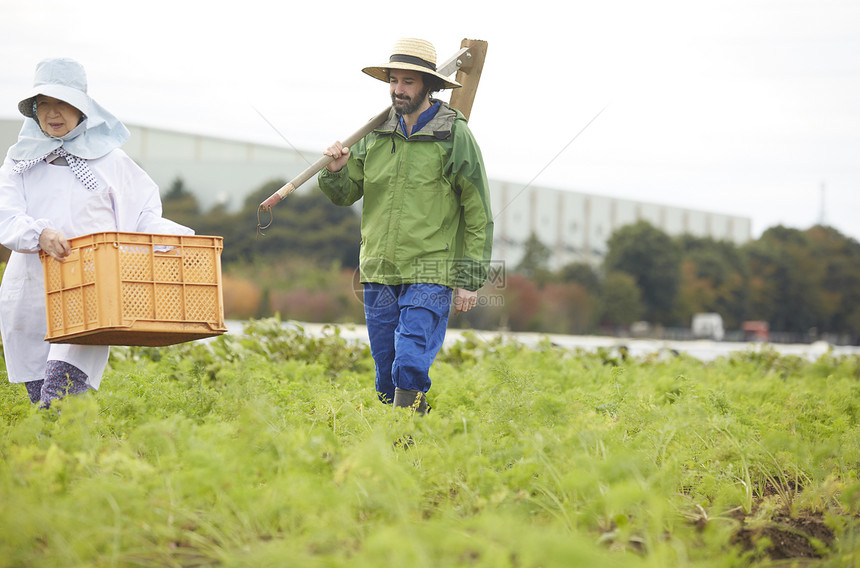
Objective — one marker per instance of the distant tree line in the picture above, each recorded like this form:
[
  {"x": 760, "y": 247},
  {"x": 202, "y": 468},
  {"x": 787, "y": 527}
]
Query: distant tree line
[
  {"x": 802, "y": 282},
  {"x": 305, "y": 225}
]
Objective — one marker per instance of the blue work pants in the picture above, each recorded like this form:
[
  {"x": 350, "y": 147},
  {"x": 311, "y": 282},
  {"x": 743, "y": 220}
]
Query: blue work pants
[{"x": 406, "y": 325}]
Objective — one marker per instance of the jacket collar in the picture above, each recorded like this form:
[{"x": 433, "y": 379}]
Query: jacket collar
[{"x": 439, "y": 127}]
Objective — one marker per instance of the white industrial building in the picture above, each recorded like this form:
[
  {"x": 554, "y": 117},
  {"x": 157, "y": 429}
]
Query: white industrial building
[{"x": 574, "y": 225}]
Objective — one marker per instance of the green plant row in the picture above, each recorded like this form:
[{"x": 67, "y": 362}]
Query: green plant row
[{"x": 270, "y": 448}]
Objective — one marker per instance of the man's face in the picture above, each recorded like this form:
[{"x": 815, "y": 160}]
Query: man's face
[
  {"x": 408, "y": 93},
  {"x": 56, "y": 117}
]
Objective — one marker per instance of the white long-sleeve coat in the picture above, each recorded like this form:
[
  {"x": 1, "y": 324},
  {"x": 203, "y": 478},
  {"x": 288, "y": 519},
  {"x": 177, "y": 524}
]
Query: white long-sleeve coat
[{"x": 49, "y": 196}]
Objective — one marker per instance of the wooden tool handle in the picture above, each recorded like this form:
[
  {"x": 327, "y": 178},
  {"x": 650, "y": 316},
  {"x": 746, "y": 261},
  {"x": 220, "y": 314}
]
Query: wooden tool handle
[{"x": 314, "y": 168}]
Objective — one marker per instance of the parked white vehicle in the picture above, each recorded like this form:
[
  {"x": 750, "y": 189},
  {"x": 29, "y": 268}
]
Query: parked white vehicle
[{"x": 708, "y": 326}]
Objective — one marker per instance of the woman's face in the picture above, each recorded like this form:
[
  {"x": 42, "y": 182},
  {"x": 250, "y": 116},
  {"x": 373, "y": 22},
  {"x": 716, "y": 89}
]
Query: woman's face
[{"x": 57, "y": 118}]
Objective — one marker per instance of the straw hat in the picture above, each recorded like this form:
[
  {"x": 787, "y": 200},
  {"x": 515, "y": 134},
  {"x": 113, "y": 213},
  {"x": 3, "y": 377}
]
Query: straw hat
[
  {"x": 413, "y": 55},
  {"x": 63, "y": 79}
]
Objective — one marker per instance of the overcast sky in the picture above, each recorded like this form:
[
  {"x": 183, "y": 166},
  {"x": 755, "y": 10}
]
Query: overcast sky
[{"x": 744, "y": 107}]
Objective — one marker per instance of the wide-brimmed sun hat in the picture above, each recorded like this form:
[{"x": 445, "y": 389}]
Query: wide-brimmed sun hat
[
  {"x": 414, "y": 55},
  {"x": 98, "y": 133},
  {"x": 60, "y": 78}
]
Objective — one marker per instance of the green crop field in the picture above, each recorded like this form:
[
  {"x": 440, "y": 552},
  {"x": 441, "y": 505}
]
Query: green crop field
[{"x": 270, "y": 449}]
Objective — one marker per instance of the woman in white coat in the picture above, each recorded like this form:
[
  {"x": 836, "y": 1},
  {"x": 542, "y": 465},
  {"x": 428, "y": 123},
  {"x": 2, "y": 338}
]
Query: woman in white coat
[{"x": 66, "y": 176}]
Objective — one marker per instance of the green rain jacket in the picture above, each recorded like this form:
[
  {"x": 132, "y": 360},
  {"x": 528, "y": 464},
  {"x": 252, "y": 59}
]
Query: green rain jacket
[{"x": 426, "y": 213}]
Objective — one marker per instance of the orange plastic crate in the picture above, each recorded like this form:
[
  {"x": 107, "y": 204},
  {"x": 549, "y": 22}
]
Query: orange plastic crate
[{"x": 119, "y": 288}]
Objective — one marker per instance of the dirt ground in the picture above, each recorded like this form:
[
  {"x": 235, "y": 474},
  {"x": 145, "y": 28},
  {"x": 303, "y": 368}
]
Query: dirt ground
[{"x": 801, "y": 537}]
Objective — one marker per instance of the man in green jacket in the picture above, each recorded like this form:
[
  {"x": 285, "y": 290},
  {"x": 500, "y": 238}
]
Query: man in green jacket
[{"x": 426, "y": 224}]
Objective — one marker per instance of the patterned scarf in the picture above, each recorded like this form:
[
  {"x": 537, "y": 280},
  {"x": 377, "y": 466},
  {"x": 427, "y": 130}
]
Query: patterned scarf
[{"x": 79, "y": 167}]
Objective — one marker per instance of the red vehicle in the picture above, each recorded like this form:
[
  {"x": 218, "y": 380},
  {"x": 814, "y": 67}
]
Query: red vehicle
[{"x": 755, "y": 330}]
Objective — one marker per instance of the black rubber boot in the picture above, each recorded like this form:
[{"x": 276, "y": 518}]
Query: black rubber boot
[{"x": 414, "y": 399}]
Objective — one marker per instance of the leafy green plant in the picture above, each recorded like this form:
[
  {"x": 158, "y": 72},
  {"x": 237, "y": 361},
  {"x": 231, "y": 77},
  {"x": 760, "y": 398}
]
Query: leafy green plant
[{"x": 269, "y": 448}]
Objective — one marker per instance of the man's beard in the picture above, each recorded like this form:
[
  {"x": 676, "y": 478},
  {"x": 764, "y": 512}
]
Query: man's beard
[{"x": 404, "y": 106}]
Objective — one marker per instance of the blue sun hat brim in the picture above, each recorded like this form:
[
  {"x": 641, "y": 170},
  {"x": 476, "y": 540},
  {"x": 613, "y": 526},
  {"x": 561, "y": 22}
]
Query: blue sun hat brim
[
  {"x": 63, "y": 79},
  {"x": 98, "y": 133}
]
